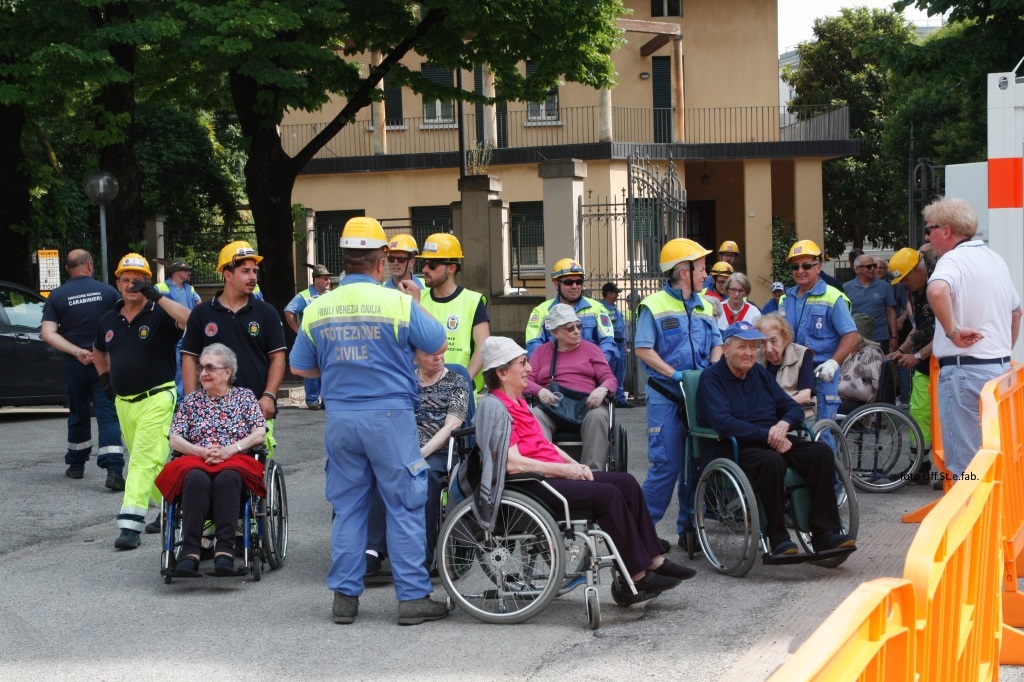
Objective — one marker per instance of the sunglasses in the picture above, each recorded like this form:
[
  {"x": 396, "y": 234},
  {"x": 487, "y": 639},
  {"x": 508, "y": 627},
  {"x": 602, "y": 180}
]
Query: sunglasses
[
  {"x": 209, "y": 368},
  {"x": 431, "y": 264},
  {"x": 401, "y": 260},
  {"x": 572, "y": 282},
  {"x": 801, "y": 266},
  {"x": 872, "y": 266},
  {"x": 928, "y": 228},
  {"x": 572, "y": 327}
]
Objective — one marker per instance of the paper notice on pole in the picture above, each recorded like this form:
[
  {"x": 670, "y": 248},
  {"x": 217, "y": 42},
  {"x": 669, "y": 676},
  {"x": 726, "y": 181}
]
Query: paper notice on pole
[{"x": 49, "y": 269}]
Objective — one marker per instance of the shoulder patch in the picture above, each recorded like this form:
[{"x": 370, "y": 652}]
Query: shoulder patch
[
  {"x": 109, "y": 335},
  {"x": 605, "y": 320},
  {"x": 534, "y": 317}
]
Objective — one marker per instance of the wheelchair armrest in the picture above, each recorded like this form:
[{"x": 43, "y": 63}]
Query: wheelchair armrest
[
  {"x": 463, "y": 432},
  {"x": 524, "y": 476}
]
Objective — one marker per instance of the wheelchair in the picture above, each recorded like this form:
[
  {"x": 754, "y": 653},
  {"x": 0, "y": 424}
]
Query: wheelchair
[
  {"x": 534, "y": 554},
  {"x": 263, "y": 526},
  {"x": 728, "y": 518},
  {"x": 885, "y": 445},
  {"x": 618, "y": 448}
]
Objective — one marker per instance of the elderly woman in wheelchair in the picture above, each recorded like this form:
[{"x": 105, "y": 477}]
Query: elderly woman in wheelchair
[
  {"x": 506, "y": 428},
  {"x": 740, "y": 399},
  {"x": 212, "y": 433},
  {"x": 578, "y": 371}
]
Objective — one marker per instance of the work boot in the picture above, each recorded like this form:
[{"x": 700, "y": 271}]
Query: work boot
[
  {"x": 153, "y": 527},
  {"x": 128, "y": 539},
  {"x": 75, "y": 472},
  {"x": 345, "y": 608},
  {"x": 115, "y": 481},
  {"x": 416, "y": 611}
]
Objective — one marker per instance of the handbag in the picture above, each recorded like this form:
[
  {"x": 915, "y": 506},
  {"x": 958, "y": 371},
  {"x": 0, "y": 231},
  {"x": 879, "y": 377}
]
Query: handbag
[{"x": 572, "y": 409}]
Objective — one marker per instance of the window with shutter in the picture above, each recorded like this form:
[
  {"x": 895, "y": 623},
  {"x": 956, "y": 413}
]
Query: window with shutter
[
  {"x": 526, "y": 232},
  {"x": 438, "y": 110},
  {"x": 546, "y": 110},
  {"x": 666, "y": 8},
  {"x": 428, "y": 220}
]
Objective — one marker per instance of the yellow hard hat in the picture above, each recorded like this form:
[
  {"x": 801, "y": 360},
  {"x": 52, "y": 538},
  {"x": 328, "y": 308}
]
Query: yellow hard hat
[
  {"x": 363, "y": 233},
  {"x": 804, "y": 247},
  {"x": 721, "y": 268},
  {"x": 403, "y": 242},
  {"x": 680, "y": 250},
  {"x": 442, "y": 246},
  {"x": 902, "y": 262},
  {"x": 729, "y": 247},
  {"x": 564, "y": 268},
  {"x": 235, "y": 252},
  {"x": 133, "y": 262}
]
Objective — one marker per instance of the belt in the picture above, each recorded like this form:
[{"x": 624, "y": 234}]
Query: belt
[
  {"x": 960, "y": 360},
  {"x": 147, "y": 394}
]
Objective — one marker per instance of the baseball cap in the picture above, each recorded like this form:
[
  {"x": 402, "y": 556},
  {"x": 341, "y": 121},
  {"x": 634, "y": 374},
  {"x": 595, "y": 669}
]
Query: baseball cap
[
  {"x": 777, "y": 286},
  {"x": 500, "y": 350},
  {"x": 610, "y": 286},
  {"x": 177, "y": 266},
  {"x": 742, "y": 330}
]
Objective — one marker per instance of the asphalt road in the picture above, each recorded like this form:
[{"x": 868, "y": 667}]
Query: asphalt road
[{"x": 72, "y": 607}]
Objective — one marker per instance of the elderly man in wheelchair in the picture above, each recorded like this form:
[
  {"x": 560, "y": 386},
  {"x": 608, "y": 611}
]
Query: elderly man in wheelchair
[{"x": 739, "y": 399}]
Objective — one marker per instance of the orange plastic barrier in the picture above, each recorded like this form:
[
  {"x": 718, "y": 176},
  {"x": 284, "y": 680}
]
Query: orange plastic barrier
[
  {"x": 955, "y": 565},
  {"x": 870, "y": 636},
  {"x": 938, "y": 460},
  {"x": 1002, "y": 428}
]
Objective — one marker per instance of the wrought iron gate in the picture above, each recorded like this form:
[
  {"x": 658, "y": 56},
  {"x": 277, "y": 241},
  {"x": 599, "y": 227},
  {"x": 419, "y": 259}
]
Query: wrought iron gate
[{"x": 619, "y": 239}]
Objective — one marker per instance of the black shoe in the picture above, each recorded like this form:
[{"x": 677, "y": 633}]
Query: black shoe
[
  {"x": 696, "y": 543},
  {"x": 624, "y": 406},
  {"x": 416, "y": 611},
  {"x": 75, "y": 472},
  {"x": 655, "y": 583},
  {"x": 153, "y": 527},
  {"x": 666, "y": 546},
  {"x": 373, "y": 564},
  {"x": 833, "y": 542},
  {"x": 115, "y": 481},
  {"x": 186, "y": 568},
  {"x": 674, "y": 570},
  {"x": 785, "y": 548},
  {"x": 345, "y": 608},
  {"x": 128, "y": 539},
  {"x": 224, "y": 565}
]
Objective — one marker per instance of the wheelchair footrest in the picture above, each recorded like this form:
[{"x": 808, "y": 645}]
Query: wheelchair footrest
[{"x": 786, "y": 559}]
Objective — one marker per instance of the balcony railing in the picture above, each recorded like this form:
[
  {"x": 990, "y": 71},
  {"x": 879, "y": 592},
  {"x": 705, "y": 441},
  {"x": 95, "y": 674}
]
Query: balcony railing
[{"x": 517, "y": 128}]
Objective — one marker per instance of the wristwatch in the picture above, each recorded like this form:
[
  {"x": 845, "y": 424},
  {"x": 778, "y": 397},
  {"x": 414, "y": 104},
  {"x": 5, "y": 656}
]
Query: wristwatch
[{"x": 917, "y": 356}]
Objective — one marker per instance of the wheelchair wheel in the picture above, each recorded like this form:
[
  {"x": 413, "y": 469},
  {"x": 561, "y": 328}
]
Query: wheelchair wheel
[
  {"x": 886, "y": 447},
  {"x": 829, "y": 432},
  {"x": 727, "y": 519},
  {"x": 508, "y": 576},
  {"x": 618, "y": 459},
  {"x": 171, "y": 537},
  {"x": 593, "y": 606},
  {"x": 849, "y": 517},
  {"x": 275, "y": 524}
]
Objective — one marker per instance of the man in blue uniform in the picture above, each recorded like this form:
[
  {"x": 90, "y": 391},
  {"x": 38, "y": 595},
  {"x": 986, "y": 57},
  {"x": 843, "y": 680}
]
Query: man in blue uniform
[
  {"x": 820, "y": 317},
  {"x": 178, "y": 287},
  {"x": 70, "y": 316},
  {"x": 293, "y": 316},
  {"x": 675, "y": 331},
  {"x": 361, "y": 339},
  {"x": 609, "y": 295},
  {"x": 402, "y": 250}
]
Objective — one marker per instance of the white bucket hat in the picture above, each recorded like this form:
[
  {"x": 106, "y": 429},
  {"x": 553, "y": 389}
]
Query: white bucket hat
[
  {"x": 558, "y": 315},
  {"x": 500, "y": 350}
]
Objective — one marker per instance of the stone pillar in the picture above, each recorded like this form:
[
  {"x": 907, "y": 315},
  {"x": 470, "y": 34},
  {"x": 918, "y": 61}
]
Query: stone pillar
[
  {"x": 757, "y": 225},
  {"x": 678, "y": 90},
  {"x": 155, "y": 247},
  {"x": 480, "y": 223},
  {"x": 563, "y": 190},
  {"x": 605, "y": 125},
  {"x": 490, "y": 111},
  {"x": 380, "y": 133}
]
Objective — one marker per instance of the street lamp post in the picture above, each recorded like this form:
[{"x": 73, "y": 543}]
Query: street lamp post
[{"x": 101, "y": 188}]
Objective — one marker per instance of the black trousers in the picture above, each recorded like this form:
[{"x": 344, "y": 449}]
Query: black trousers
[
  {"x": 202, "y": 493},
  {"x": 767, "y": 471},
  {"x": 616, "y": 503}
]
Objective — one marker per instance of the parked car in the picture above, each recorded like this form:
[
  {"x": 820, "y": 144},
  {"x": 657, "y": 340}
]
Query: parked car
[{"x": 29, "y": 368}]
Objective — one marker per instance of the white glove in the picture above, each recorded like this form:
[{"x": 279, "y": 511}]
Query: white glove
[{"x": 826, "y": 370}]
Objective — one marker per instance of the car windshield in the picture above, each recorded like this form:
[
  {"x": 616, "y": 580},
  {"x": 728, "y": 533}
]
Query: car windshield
[{"x": 23, "y": 310}]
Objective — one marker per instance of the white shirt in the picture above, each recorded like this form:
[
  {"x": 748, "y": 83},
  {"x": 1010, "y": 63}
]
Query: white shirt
[{"x": 983, "y": 298}]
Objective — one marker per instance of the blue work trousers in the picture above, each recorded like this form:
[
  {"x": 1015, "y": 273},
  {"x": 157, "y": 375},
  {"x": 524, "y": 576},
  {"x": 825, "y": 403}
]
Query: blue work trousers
[
  {"x": 619, "y": 370},
  {"x": 364, "y": 446},
  {"x": 377, "y": 527},
  {"x": 312, "y": 387},
  {"x": 84, "y": 390},
  {"x": 666, "y": 452}
]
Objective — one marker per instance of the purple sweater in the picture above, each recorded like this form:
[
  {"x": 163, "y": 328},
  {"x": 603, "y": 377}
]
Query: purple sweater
[{"x": 582, "y": 369}]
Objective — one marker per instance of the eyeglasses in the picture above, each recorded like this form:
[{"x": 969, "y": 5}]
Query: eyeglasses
[
  {"x": 400, "y": 260},
  {"x": 872, "y": 266},
  {"x": 431, "y": 264},
  {"x": 734, "y": 290},
  {"x": 209, "y": 368},
  {"x": 572, "y": 282},
  {"x": 572, "y": 326},
  {"x": 801, "y": 266},
  {"x": 928, "y": 228}
]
